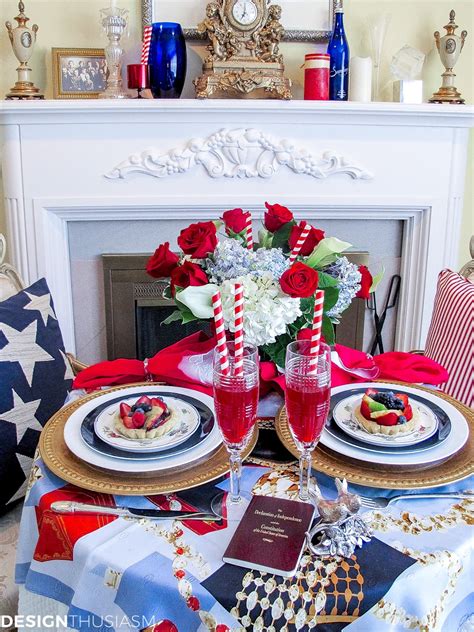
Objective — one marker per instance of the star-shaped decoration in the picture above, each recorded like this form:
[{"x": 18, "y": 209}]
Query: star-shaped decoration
[
  {"x": 68, "y": 373},
  {"x": 41, "y": 304},
  {"x": 22, "y": 416},
  {"x": 22, "y": 347}
]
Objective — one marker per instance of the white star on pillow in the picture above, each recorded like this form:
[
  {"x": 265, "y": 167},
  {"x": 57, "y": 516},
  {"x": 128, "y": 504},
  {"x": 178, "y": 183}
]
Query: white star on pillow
[
  {"x": 41, "y": 304},
  {"x": 22, "y": 347},
  {"x": 22, "y": 416}
]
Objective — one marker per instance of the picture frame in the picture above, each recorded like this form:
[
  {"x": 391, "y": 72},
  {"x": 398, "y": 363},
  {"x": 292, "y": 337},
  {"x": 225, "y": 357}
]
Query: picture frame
[
  {"x": 303, "y": 12},
  {"x": 78, "y": 73}
]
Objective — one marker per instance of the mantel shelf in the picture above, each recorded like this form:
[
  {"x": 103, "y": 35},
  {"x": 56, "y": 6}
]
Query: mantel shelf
[{"x": 311, "y": 112}]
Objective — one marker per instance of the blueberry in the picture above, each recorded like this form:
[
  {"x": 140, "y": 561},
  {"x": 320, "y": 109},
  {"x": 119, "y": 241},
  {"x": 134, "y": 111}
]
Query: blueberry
[
  {"x": 146, "y": 408},
  {"x": 402, "y": 419},
  {"x": 134, "y": 408}
]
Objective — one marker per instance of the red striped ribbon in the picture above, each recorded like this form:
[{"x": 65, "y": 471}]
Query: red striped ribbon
[
  {"x": 146, "y": 44},
  {"x": 300, "y": 243},
  {"x": 317, "y": 326},
  {"x": 220, "y": 333},
  {"x": 239, "y": 329}
]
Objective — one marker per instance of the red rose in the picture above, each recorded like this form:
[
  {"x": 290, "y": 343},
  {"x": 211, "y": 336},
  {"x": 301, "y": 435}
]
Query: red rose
[
  {"x": 313, "y": 239},
  {"x": 235, "y": 220},
  {"x": 306, "y": 334},
  {"x": 365, "y": 282},
  {"x": 162, "y": 262},
  {"x": 299, "y": 281},
  {"x": 188, "y": 274},
  {"x": 198, "y": 239},
  {"x": 276, "y": 216}
]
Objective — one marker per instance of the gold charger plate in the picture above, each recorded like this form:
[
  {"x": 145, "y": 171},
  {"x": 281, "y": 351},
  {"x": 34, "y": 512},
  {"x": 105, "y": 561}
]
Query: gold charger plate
[
  {"x": 455, "y": 468},
  {"x": 62, "y": 462}
]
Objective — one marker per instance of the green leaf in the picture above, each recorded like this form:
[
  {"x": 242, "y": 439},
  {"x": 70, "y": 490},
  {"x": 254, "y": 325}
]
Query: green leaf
[
  {"x": 307, "y": 305},
  {"x": 326, "y": 252},
  {"x": 218, "y": 223},
  {"x": 326, "y": 280},
  {"x": 376, "y": 279},
  {"x": 265, "y": 238},
  {"x": 167, "y": 292},
  {"x": 331, "y": 294},
  {"x": 328, "y": 331},
  {"x": 174, "y": 316},
  {"x": 282, "y": 235},
  {"x": 277, "y": 350}
]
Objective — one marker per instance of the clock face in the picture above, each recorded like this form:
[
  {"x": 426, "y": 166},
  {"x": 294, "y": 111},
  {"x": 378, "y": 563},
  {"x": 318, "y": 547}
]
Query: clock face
[{"x": 244, "y": 12}]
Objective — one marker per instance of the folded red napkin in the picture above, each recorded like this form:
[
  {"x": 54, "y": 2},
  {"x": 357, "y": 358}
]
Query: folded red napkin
[{"x": 188, "y": 363}]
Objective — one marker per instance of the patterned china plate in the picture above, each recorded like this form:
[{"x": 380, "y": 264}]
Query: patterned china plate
[
  {"x": 187, "y": 425},
  {"x": 94, "y": 442},
  {"x": 425, "y": 427}
]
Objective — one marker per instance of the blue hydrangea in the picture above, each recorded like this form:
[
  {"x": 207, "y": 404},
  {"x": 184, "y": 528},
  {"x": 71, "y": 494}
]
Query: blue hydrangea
[
  {"x": 231, "y": 260},
  {"x": 349, "y": 278}
]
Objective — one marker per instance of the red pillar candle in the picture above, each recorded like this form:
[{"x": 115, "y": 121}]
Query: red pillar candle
[
  {"x": 316, "y": 77},
  {"x": 138, "y": 76}
]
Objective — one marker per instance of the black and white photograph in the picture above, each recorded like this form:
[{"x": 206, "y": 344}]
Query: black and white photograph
[{"x": 79, "y": 73}]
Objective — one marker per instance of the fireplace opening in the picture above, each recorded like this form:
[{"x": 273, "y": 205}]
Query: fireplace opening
[{"x": 135, "y": 309}]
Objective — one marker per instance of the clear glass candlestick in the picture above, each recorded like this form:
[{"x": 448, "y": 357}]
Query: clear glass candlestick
[{"x": 115, "y": 24}]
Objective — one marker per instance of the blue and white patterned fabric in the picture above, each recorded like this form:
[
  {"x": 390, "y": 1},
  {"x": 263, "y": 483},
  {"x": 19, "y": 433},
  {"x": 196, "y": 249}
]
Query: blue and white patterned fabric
[
  {"x": 35, "y": 376},
  {"x": 126, "y": 575}
]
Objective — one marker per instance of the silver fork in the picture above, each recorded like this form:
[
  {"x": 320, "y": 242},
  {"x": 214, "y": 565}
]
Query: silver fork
[{"x": 380, "y": 502}]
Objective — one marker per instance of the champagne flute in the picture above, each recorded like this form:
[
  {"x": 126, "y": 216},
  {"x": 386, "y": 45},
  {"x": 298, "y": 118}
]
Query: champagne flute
[
  {"x": 308, "y": 388},
  {"x": 236, "y": 401}
]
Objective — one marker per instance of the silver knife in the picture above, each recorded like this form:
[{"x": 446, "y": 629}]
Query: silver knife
[{"x": 71, "y": 507}]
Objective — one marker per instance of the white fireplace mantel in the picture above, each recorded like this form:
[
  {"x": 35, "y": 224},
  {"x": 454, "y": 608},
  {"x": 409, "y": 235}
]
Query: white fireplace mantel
[{"x": 186, "y": 159}]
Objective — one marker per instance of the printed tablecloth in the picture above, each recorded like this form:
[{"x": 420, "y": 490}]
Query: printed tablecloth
[{"x": 118, "y": 574}]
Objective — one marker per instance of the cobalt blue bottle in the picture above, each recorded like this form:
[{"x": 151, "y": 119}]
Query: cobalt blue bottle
[
  {"x": 338, "y": 49},
  {"x": 167, "y": 60}
]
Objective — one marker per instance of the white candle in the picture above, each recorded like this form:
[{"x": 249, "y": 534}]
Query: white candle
[
  {"x": 360, "y": 79},
  {"x": 113, "y": 4}
]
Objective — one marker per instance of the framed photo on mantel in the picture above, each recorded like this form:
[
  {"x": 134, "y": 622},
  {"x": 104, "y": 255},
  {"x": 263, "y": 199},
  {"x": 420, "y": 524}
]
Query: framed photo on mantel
[{"x": 303, "y": 20}]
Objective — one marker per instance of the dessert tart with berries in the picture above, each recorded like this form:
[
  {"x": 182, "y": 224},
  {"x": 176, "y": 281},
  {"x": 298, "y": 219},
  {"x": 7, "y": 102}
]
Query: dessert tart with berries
[
  {"x": 148, "y": 418},
  {"x": 386, "y": 413}
]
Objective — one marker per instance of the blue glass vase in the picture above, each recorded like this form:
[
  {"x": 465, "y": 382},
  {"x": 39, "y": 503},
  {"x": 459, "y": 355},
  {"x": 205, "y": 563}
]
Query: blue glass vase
[
  {"x": 167, "y": 60},
  {"x": 338, "y": 49}
]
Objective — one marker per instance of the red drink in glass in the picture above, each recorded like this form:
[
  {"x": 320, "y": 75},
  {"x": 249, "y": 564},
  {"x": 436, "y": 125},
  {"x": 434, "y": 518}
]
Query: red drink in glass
[
  {"x": 236, "y": 410},
  {"x": 307, "y": 408}
]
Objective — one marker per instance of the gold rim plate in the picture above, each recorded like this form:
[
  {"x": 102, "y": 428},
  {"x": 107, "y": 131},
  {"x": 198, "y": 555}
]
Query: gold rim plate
[
  {"x": 454, "y": 469},
  {"x": 62, "y": 462}
]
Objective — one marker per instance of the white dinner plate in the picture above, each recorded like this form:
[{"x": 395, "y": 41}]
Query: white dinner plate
[
  {"x": 426, "y": 424},
  {"x": 74, "y": 441},
  {"x": 455, "y": 441},
  {"x": 187, "y": 424}
]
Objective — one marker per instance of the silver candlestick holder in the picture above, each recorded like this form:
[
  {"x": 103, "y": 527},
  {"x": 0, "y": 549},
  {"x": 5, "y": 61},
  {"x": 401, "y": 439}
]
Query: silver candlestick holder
[{"x": 115, "y": 24}]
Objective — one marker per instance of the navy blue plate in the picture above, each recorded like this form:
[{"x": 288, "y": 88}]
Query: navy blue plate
[
  {"x": 202, "y": 431},
  {"x": 444, "y": 424}
]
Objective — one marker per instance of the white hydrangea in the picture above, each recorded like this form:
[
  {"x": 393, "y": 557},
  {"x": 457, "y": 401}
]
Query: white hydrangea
[{"x": 267, "y": 310}]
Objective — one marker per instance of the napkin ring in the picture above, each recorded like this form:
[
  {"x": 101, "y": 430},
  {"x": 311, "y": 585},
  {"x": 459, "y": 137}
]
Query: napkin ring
[{"x": 340, "y": 538}]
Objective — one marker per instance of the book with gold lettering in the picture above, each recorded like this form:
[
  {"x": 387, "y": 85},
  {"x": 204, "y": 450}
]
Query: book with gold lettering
[{"x": 271, "y": 535}]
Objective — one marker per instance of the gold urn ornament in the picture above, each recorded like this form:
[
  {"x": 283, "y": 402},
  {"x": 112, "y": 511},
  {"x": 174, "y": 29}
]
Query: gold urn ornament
[
  {"x": 23, "y": 39},
  {"x": 449, "y": 48},
  {"x": 244, "y": 60}
]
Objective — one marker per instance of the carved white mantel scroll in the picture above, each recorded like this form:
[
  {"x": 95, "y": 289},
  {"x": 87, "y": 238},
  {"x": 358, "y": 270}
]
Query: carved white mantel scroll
[{"x": 238, "y": 153}]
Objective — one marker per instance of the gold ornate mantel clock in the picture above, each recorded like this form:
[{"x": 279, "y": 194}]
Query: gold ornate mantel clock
[{"x": 244, "y": 59}]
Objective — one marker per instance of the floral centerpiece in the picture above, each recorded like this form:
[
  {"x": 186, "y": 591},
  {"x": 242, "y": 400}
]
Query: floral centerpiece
[{"x": 279, "y": 274}]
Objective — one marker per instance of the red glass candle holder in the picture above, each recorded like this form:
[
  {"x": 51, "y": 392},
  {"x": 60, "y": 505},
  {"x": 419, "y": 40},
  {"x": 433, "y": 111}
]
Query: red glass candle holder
[{"x": 138, "y": 77}]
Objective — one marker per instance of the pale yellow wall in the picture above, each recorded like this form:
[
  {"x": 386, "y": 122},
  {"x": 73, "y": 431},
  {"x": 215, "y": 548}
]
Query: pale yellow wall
[{"x": 74, "y": 23}]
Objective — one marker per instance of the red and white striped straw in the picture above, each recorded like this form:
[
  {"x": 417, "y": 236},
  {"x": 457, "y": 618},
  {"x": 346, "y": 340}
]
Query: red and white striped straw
[
  {"x": 146, "y": 44},
  {"x": 249, "y": 232},
  {"x": 239, "y": 329},
  {"x": 220, "y": 333},
  {"x": 317, "y": 326},
  {"x": 300, "y": 243}
]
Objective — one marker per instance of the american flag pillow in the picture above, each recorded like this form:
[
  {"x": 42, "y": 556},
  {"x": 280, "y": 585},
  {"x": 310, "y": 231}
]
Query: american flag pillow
[
  {"x": 35, "y": 376},
  {"x": 450, "y": 338}
]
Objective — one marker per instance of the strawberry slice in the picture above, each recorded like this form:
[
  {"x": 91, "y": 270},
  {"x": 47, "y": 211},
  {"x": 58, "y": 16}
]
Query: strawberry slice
[
  {"x": 138, "y": 419},
  {"x": 156, "y": 402},
  {"x": 389, "y": 419},
  {"x": 371, "y": 392},
  {"x": 156, "y": 421},
  {"x": 143, "y": 400},
  {"x": 408, "y": 412},
  {"x": 364, "y": 409},
  {"x": 128, "y": 423},
  {"x": 124, "y": 410},
  {"x": 403, "y": 398}
]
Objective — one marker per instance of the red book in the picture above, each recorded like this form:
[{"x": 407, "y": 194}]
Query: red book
[{"x": 271, "y": 535}]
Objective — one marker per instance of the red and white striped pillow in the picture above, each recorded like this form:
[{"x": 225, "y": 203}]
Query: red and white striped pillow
[{"x": 450, "y": 338}]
